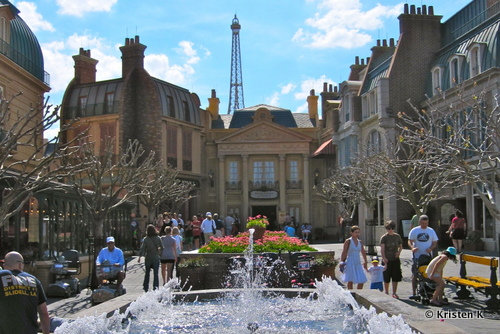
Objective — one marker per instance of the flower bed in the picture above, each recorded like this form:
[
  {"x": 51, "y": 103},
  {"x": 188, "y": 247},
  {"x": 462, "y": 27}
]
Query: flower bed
[{"x": 271, "y": 242}]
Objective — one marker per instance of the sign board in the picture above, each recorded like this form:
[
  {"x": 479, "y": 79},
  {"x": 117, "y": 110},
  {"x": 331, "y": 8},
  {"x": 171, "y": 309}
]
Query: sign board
[
  {"x": 259, "y": 194},
  {"x": 406, "y": 226}
]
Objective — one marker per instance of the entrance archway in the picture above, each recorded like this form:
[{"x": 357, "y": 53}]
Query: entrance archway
[{"x": 266, "y": 210}]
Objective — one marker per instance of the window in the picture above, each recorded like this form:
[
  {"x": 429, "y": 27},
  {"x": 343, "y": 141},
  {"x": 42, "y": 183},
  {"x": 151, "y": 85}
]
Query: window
[
  {"x": 172, "y": 146},
  {"x": 294, "y": 171},
  {"x": 107, "y": 132},
  {"x": 436, "y": 81},
  {"x": 369, "y": 104},
  {"x": 187, "y": 151},
  {"x": 348, "y": 148},
  {"x": 474, "y": 61},
  {"x": 82, "y": 105},
  {"x": 263, "y": 172},
  {"x": 374, "y": 146},
  {"x": 455, "y": 72},
  {"x": 3, "y": 28},
  {"x": 171, "y": 108},
  {"x": 233, "y": 172},
  {"x": 109, "y": 101},
  {"x": 345, "y": 108},
  {"x": 187, "y": 115}
]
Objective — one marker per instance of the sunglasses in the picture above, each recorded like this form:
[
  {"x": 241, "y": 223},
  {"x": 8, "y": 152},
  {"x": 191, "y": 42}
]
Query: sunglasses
[{"x": 389, "y": 228}]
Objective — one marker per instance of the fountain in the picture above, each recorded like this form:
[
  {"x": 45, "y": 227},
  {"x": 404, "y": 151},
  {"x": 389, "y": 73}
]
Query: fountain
[{"x": 327, "y": 309}]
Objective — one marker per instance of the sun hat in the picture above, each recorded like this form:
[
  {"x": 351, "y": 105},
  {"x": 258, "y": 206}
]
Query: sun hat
[
  {"x": 110, "y": 239},
  {"x": 452, "y": 250}
]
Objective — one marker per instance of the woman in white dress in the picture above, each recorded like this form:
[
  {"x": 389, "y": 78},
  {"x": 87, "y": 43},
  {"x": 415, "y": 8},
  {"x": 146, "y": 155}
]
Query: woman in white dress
[{"x": 354, "y": 271}]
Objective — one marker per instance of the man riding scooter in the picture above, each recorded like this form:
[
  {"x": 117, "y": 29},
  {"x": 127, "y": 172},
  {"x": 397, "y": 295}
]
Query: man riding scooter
[{"x": 110, "y": 264}]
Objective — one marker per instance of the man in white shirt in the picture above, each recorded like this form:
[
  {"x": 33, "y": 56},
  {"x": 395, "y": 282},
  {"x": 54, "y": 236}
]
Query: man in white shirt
[
  {"x": 208, "y": 227},
  {"x": 422, "y": 241}
]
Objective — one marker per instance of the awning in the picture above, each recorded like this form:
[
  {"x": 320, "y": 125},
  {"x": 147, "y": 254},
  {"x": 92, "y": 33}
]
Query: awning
[{"x": 325, "y": 148}]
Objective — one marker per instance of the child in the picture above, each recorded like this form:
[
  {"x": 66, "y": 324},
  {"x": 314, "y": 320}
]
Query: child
[
  {"x": 434, "y": 271},
  {"x": 178, "y": 245},
  {"x": 377, "y": 274}
]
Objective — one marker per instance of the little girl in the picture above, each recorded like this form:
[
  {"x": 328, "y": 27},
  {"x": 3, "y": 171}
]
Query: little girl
[{"x": 435, "y": 272}]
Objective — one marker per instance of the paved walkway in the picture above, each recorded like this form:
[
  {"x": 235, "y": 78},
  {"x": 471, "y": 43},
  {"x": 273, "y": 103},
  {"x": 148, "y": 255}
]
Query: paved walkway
[{"x": 79, "y": 306}]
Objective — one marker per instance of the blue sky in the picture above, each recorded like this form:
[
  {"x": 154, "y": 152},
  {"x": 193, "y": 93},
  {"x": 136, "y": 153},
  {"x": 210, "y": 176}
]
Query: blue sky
[{"x": 288, "y": 47}]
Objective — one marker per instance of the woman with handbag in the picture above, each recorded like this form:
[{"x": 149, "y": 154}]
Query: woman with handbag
[{"x": 457, "y": 230}]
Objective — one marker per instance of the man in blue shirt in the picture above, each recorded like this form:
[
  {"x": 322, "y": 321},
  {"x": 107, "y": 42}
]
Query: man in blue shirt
[{"x": 110, "y": 263}]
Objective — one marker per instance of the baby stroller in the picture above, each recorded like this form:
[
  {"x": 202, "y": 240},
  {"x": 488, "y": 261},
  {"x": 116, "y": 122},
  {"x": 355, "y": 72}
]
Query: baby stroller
[
  {"x": 302, "y": 267},
  {"x": 425, "y": 286}
]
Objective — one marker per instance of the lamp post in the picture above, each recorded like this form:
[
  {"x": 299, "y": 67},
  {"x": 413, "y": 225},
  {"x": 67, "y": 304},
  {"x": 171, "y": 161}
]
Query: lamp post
[
  {"x": 211, "y": 177},
  {"x": 316, "y": 176}
]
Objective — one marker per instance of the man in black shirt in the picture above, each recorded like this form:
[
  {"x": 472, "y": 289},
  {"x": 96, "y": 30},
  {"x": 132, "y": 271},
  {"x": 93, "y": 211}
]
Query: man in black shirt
[{"x": 21, "y": 297}]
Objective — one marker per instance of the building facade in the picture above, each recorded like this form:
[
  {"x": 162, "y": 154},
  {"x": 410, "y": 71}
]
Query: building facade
[{"x": 432, "y": 63}]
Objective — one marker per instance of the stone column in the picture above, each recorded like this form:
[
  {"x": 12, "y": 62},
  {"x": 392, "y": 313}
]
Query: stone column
[
  {"x": 245, "y": 167},
  {"x": 222, "y": 187},
  {"x": 307, "y": 191},
  {"x": 282, "y": 179}
]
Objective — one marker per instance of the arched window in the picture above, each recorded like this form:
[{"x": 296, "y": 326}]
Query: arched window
[
  {"x": 455, "y": 70},
  {"x": 436, "y": 80},
  {"x": 475, "y": 60}
]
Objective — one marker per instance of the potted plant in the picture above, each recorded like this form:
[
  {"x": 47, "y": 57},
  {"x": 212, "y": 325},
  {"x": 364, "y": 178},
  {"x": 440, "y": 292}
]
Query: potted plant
[
  {"x": 325, "y": 264},
  {"x": 193, "y": 272},
  {"x": 474, "y": 241},
  {"x": 259, "y": 224}
]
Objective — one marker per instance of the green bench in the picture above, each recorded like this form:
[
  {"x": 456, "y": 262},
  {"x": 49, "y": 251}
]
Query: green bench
[{"x": 487, "y": 286}]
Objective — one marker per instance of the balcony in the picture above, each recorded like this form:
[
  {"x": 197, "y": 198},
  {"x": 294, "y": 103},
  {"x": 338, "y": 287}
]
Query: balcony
[{"x": 264, "y": 185}]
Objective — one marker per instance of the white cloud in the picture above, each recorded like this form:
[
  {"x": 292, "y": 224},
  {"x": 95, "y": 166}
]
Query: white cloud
[
  {"x": 187, "y": 50},
  {"x": 288, "y": 88},
  {"x": 274, "y": 99},
  {"x": 80, "y": 7},
  {"x": 34, "y": 20},
  {"x": 311, "y": 83},
  {"x": 343, "y": 23}
]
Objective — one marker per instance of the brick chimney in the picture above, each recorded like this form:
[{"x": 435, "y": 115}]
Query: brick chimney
[
  {"x": 132, "y": 55},
  {"x": 312, "y": 105},
  {"x": 85, "y": 67},
  {"x": 213, "y": 105}
]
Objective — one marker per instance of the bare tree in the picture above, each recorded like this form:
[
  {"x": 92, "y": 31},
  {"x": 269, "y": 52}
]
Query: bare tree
[
  {"x": 465, "y": 135},
  {"x": 413, "y": 174},
  {"x": 111, "y": 178},
  {"x": 26, "y": 164},
  {"x": 336, "y": 189},
  {"x": 160, "y": 186}
]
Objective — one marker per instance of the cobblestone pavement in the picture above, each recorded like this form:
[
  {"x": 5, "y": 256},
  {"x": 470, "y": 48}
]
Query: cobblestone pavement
[{"x": 80, "y": 305}]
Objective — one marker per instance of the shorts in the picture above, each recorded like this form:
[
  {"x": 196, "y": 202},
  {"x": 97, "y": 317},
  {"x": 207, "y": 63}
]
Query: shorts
[
  {"x": 393, "y": 271},
  {"x": 435, "y": 275},
  {"x": 189, "y": 240},
  {"x": 196, "y": 237},
  {"x": 376, "y": 286},
  {"x": 167, "y": 261},
  {"x": 458, "y": 234}
]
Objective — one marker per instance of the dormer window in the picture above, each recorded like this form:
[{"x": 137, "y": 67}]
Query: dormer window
[
  {"x": 437, "y": 74},
  {"x": 474, "y": 57},
  {"x": 455, "y": 70},
  {"x": 3, "y": 28}
]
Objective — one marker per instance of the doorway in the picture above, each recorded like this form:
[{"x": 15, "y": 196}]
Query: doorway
[{"x": 269, "y": 211}]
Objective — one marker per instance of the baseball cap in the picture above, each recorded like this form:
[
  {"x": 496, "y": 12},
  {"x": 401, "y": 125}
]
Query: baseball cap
[
  {"x": 208, "y": 213},
  {"x": 110, "y": 239},
  {"x": 375, "y": 259},
  {"x": 452, "y": 250}
]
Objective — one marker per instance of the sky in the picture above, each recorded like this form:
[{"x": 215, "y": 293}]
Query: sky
[{"x": 288, "y": 47}]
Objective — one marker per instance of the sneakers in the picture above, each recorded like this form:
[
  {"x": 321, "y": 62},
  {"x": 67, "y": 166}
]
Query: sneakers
[{"x": 413, "y": 297}]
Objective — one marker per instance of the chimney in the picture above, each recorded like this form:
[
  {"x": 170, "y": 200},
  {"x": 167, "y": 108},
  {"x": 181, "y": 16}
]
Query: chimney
[
  {"x": 355, "y": 69},
  {"x": 132, "y": 55},
  {"x": 85, "y": 67},
  {"x": 312, "y": 105},
  {"x": 213, "y": 105}
]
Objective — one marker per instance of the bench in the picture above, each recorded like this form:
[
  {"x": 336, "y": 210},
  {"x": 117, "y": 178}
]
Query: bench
[{"x": 489, "y": 287}]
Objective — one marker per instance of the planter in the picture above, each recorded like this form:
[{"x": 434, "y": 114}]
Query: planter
[
  {"x": 474, "y": 247},
  {"x": 193, "y": 278},
  {"x": 259, "y": 232},
  {"x": 326, "y": 271}
]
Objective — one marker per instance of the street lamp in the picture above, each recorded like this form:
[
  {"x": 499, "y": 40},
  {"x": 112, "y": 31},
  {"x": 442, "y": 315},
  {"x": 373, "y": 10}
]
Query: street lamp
[
  {"x": 211, "y": 177},
  {"x": 316, "y": 177}
]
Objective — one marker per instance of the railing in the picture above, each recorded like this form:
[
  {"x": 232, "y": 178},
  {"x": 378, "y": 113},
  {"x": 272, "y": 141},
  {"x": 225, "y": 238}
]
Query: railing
[
  {"x": 267, "y": 185},
  {"x": 21, "y": 60},
  {"x": 454, "y": 28},
  {"x": 233, "y": 185},
  {"x": 293, "y": 184},
  {"x": 90, "y": 110}
]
